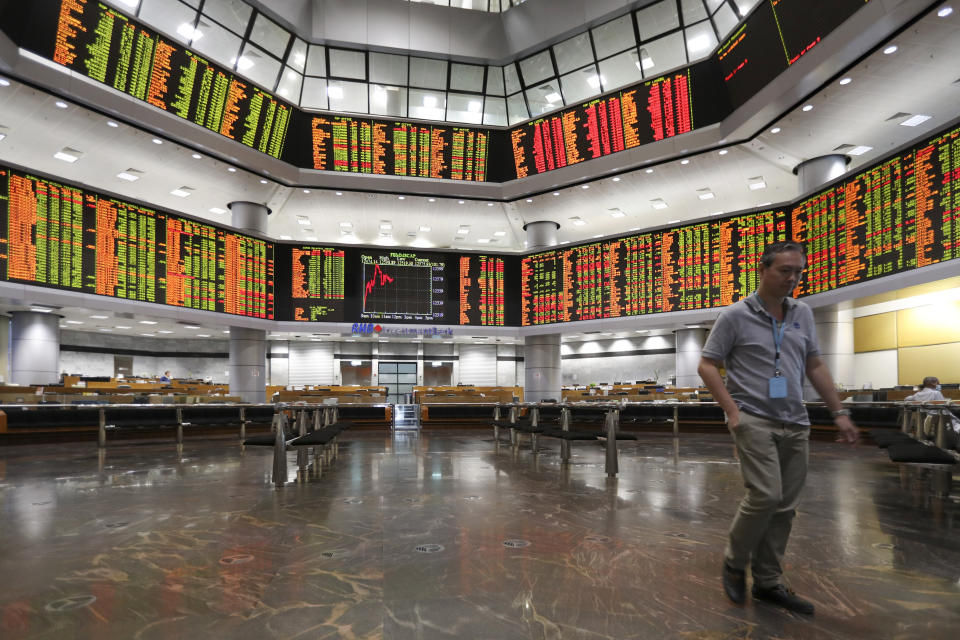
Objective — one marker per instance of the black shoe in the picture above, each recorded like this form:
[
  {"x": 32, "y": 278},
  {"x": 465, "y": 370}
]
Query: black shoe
[
  {"x": 735, "y": 583},
  {"x": 783, "y": 597}
]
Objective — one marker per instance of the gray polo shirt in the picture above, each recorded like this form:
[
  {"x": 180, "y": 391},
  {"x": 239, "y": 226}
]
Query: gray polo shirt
[{"x": 742, "y": 339}]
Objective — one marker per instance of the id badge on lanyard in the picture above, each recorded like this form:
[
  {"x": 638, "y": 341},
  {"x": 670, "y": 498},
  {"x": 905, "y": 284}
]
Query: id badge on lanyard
[{"x": 777, "y": 385}]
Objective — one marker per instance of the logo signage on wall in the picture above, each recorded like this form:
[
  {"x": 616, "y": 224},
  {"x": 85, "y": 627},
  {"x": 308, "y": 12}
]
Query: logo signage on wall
[{"x": 367, "y": 329}]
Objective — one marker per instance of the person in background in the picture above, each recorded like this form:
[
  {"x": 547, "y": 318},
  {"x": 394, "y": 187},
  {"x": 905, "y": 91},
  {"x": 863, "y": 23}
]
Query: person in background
[
  {"x": 929, "y": 391},
  {"x": 165, "y": 377},
  {"x": 768, "y": 343}
]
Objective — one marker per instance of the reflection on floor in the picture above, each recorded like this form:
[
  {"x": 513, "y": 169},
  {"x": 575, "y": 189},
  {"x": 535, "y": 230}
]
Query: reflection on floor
[{"x": 446, "y": 535}]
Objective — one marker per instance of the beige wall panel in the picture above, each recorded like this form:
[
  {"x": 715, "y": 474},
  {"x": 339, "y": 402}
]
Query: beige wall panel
[
  {"x": 942, "y": 360},
  {"x": 929, "y": 324},
  {"x": 875, "y": 369},
  {"x": 875, "y": 333},
  {"x": 889, "y": 296},
  {"x": 929, "y": 287}
]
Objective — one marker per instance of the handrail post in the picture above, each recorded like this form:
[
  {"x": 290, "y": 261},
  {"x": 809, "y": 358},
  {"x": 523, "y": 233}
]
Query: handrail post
[
  {"x": 905, "y": 421},
  {"x": 302, "y": 430},
  {"x": 243, "y": 424},
  {"x": 565, "y": 426},
  {"x": 676, "y": 421},
  {"x": 941, "y": 437},
  {"x": 179, "y": 425},
  {"x": 280, "y": 450},
  {"x": 102, "y": 430},
  {"x": 611, "y": 419}
]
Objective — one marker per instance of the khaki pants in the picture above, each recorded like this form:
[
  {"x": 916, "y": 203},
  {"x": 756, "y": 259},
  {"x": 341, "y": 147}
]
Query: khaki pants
[{"x": 773, "y": 462}]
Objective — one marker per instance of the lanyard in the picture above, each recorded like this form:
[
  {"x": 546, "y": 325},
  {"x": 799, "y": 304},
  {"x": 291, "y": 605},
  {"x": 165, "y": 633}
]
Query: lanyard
[{"x": 778, "y": 330}]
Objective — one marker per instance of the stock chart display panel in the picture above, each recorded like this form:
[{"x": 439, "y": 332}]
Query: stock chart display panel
[
  {"x": 363, "y": 145},
  {"x": 900, "y": 214},
  {"x": 775, "y": 35},
  {"x": 404, "y": 286},
  {"x": 695, "y": 266},
  {"x": 58, "y": 235},
  {"x": 101, "y": 43},
  {"x": 644, "y": 113}
]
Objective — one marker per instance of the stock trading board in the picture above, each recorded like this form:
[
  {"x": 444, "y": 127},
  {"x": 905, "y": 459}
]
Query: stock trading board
[{"x": 59, "y": 235}]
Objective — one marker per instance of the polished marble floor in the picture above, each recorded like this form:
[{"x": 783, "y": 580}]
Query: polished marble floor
[{"x": 446, "y": 535}]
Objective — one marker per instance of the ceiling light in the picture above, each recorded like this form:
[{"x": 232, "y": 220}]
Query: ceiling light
[
  {"x": 203, "y": 335},
  {"x": 891, "y": 49},
  {"x": 499, "y": 234},
  {"x": 285, "y": 237},
  {"x": 673, "y": 221},
  {"x": 131, "y": 3},
  {"x": 310, "y": 238},
  {"x": 61, "y": 104},
  {"x": 339, "y": 193},
  {"x": 4, "y": 82},
  {"x": 474, "y": 106},
  {"x": 529, "y": 200},
  {"x": 658, "y": 203},
  {"x": 424, "y": 229},
  {"x": 111, "y": 123},
  {"x": 460, "y": 201},
  {"x": 306, "y": 190},
  {"x": 106, "y": 330},
  {"x": 944, "y": 12},
  {"x": 188, "y": 32},
  {"x": 913, "y": 121},
  {"x": 776, "y": 130},
  {"x": 859, "y": 151},
  {"x": 616, "y": 213},
  {"x": 846, "y": 81},
  {"x": 217, "y": 210},
  {"x": 68, "y": 155},
  {"x": 182, "y": 192},
  {"x": 385, "y": 226},
  {"x": 483, "y": 240},
  {"x": 98, "y": 317},
  {"x": 346, "y": 224},
  {"x": 807, "y": 107},
  {"x": 190, "y": 326},
  {"x": 195, "y": 156},
  {"x": 552, "y": 97},
  {"x": 579, "y": 223},
  {"x": 335, "y": 92},
  {"x": 156, "y": 141},
  {"x": 617, "y": 179},
  {"x": 556, "y": 193},
  {"x": 148, "y": 322},
  {"x": 130, "y": 175},
  {"x": 463, "y": 230},
  {"x": 401, "y": 197},
  {"x": 74, "y": 321},
  {"x": 723, "y": 152},
  {"x": 649, "y": 171},
  {"x": 232, "y": 169},
  {"x": 149, "y": 335},
  {"x": 489, "y": 204},
  {"x": 430, "y": 102},
  {"x": 121, "y": 326},
  {"x": 263, "y": 181},
  {"x": 685, "y": 161},
  {"x": 226, "y": 331},
  {"x": 431, "y": 199},
  {"x": 756, "y": 183},
  {"x": 164, "y": 331},
  {"x": 584, "y": 186}
]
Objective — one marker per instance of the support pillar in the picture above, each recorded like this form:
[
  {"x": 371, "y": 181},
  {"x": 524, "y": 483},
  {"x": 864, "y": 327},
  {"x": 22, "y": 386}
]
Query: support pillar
[
  {"x": 835, "y": 336},
  {"x": 248, "y": 364},
  {"x": 34, "y": 348},
  {"x": 541, "y": 353},
  {"x": 249, "y": 216},
  {"x": 816, "y": 172},
  {"x": 689, "y": 345}
]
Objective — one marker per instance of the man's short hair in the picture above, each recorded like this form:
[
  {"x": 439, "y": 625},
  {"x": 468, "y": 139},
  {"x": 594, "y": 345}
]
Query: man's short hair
[
  {"x": 931, "y": 381},
  {"x": 771, "y": 251}
]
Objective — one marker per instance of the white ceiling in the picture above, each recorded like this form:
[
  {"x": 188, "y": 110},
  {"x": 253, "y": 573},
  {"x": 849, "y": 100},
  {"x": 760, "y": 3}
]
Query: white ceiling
[{"x": 922, "y": 77}]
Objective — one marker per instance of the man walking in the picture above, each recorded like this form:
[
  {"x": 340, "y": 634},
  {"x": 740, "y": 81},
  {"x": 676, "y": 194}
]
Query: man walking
[{"x": 767, "y": 343}]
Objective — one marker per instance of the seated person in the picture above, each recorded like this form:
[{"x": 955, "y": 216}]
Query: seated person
[
  {"x": 929, "y": 391},
  {"x": 165, "y": 377}
]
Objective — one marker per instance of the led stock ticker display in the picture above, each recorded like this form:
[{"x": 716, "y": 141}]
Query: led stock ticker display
[{"x": 58, "y": 235}]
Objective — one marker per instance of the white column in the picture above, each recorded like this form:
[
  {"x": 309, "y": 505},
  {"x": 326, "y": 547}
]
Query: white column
[
  {"x": 34, "y": 348},
  {"x": 835, "y": 336},
  {"x": 249, "y": 216},
  {"x": 5, "y": 353},
  {"x": 816, "y": 172},
  {"x": 248, "y": 364},
  {"x": 542, "y": 372},
  {"x": 541, "y": 235},
  {"x": 689, "y": 345}
]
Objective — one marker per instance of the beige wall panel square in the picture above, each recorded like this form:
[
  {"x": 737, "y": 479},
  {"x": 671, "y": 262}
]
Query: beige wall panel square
[
  {"x": 889, "y": 296},
  {"x": 929, "y": 324},
  {"x": 875, "y": 333},
  {"x": 929, "y": 287},
  {"x": 942, "y": 360}
]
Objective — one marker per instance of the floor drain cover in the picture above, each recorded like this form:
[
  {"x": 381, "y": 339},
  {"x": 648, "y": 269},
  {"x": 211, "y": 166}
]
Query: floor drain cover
[
  {"x": 237, "y": 559},
  {"x": 516, "y": 544},
  {"x": 353, "y": 501},
  {"x": 428, "y": 548},
  {"x": 597, "y": 539},
  {"x": 69, "y": 604}
]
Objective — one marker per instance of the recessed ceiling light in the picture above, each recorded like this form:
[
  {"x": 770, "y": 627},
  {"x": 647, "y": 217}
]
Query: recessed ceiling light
[
  {"x": 203, "y": 335},
  {"x": 672, "y": 221},
  {"x": 106, "y": 330},
  {"x": 431, "y": 199},
  {"x": 308, "y": 191},
  {"x": 346, "y": 224},
  {"x": 579, "y": 223},
  {"x": 913, "y": 121},
  {"x": 182, "y": 192},
  {"x": 130, "y": 175},
  {"x": 460, "y": 201},
  {"x": 99, "y": 317},
  {"x": 945, "y": 11},
  {"x": 723, "y": 152},
  {"x": 859, "y": 151},
  {"x": 617, "y": 214},
  {"x": 807, "y": 107},
  {"x": 685, "y": 161},
  {"x": 217, "y": 210},
  {"x": 489, "y": 204},
  {"x": 424, "y": 228},
  {"x": 705, "y": 194},
  {"x": 74, "y": 321},
  {"x": 529, "y": 200},
  {"x": 846, "y": 81},
  {"x": 385, "y": 226},
  {"x": 156, "y": 141},
  {"x": 658, "y": 203},
  {"x": 149, "y": 335},
  {"x": 617, "y": 179},
  {"x": 401, "y": 197},
  {"x": 61, "y": 104},
  {"x": 756, "y": 183},
  {"x": 775, "y": 130},
  {"x": 226, "y": 331},
  {"x": 634, "y": 228},
  {"x": 483, "y": 240},
  {"x": 891, "y": 49},
  {"x": 339, "y": 193},
  {"x": 164, "y": 331},
  {"x": 148, "y": 322},
  {"x": 263, "y": 181},
  {"x": 4, "y": 82},
  {"x": 584, "y": 186},
  {"x": 190, "y": 326},
  {"x": 121, "y": 326},
  {"x": 649, "y": 171},
  {"x": 68, "y": 154},
  {"x": 499, "y": 234},
  {"x": 232, "y": 169},
  {"x": 195, "y": 156},
  {"x": 111, "y": 123},
  {"x": 556, "y": 193},
  {"x": 284, "y": 237}
]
